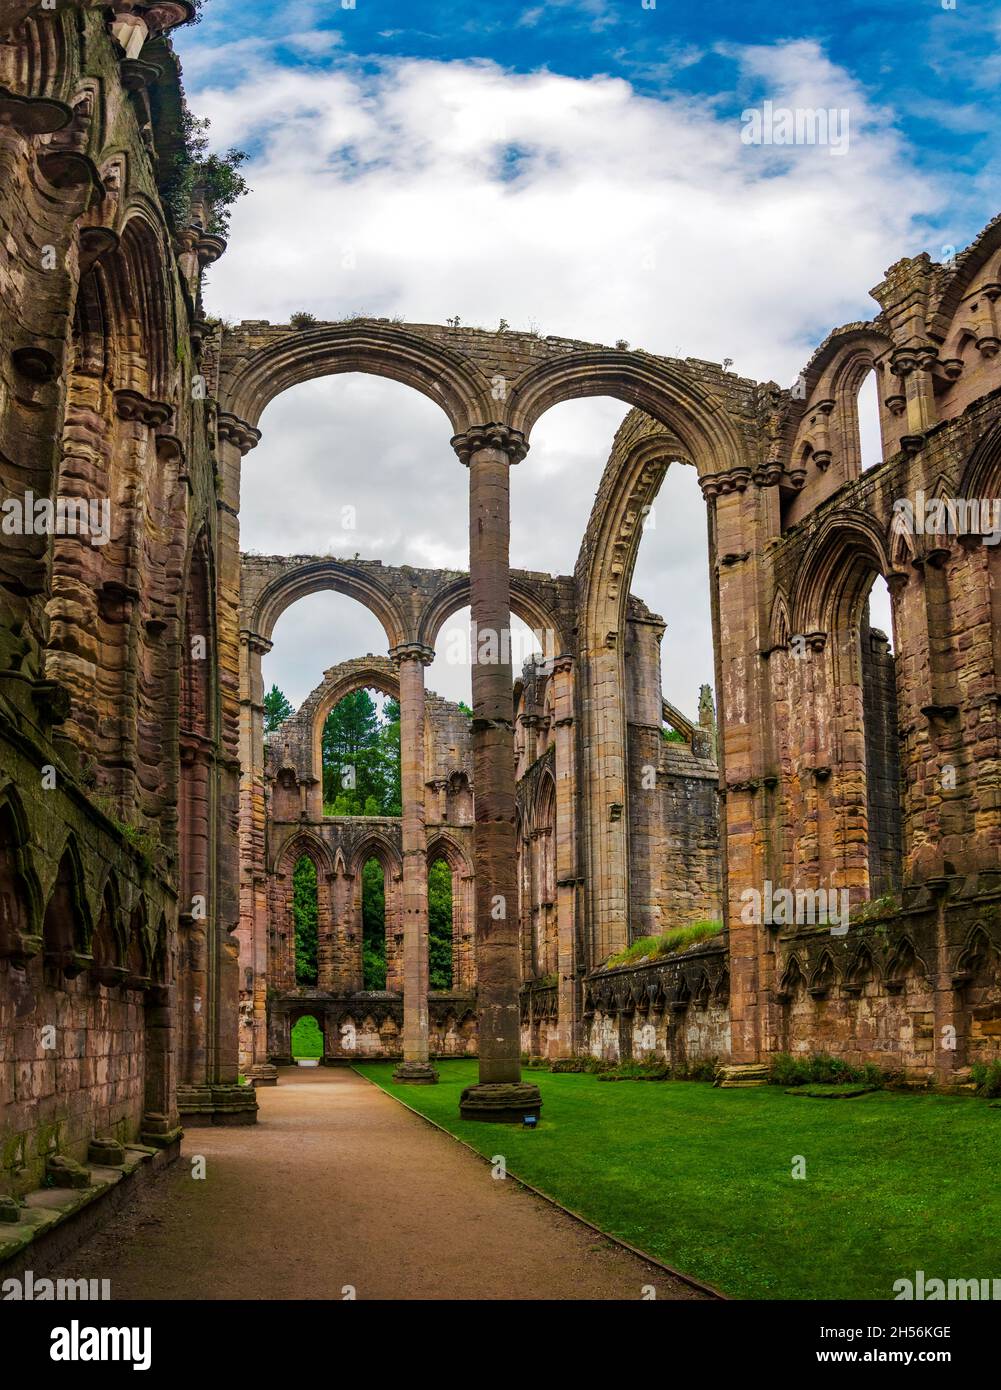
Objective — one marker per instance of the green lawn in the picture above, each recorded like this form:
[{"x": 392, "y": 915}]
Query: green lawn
[
  {"x": 307, "y": 1040},
  {"x": 701, "y": 1178}
]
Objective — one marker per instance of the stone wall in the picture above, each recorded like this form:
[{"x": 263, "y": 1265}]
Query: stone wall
[
  {"x": 117, "y": 783},
  {"x": 672, "y": 1010}
]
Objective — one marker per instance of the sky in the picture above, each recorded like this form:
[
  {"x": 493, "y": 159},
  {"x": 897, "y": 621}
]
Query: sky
[{"x": 574, "y": 166}]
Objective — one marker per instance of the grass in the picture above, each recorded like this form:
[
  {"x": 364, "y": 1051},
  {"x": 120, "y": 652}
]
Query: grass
[
  {"x": 652, "y": 947},
  {"x": 701, "y": 1178}
]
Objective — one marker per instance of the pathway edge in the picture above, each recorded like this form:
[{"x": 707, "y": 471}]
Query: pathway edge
[{"x": 567, "y": 1211}]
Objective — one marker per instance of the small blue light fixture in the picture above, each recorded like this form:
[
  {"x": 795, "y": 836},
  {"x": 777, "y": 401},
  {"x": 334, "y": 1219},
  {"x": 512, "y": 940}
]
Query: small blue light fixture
[{"x": 530, "y": 1121}]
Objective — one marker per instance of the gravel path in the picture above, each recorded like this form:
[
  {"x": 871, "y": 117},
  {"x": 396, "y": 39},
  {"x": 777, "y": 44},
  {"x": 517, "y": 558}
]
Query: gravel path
[{"x": 338, "y": 1185}]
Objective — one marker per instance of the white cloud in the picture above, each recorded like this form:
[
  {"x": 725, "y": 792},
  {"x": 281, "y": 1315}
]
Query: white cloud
[{"x": 380, "y": 190}]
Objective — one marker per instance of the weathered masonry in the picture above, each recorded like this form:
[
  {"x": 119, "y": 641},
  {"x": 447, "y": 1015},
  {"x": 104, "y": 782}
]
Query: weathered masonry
[
  {"x": 673, "y": 817},
  {"x": 140, "y": 855}
]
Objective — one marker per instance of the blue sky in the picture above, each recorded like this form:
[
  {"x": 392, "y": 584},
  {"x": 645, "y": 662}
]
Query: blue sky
[
  {"x": 576, "y": 167},
  {"x": 936, "y": 69}
]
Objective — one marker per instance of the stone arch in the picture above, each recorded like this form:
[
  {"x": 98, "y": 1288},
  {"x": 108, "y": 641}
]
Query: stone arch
[
  {"x": 449, "y": 847},
  {"x": 861, "y": 971},
  {"x": 108, "y": 942},
  {"x": 667, "y": 391},
  {"x": 369, "y": 675},
  {"x": 796, "y": 1005},
  {"x": 67, "y": 925},
  {"x": 20, "y": 891},
  {"x": 39, "y": 64},
  {"x": 446, "y": 846},
  {"x": 289, "y": 357},
  {"x": 843, "y": 703},
  {"x": 779, "y": 626},
  {"x": 133, "y": 275},
  {"x": 902, "y": 962},
  {"x": 641, "y": 454},
  {"x": 304, "y": 842},
  {"x": 378, "y": 844},
  {"x": 793, "y": 976},
  {"x": 526, "y": 604},
  {"x": 314, "y": 576},
  {"x": 836, "y": 572},
  {"x": 981, "y": 475},
  {"x": 978, "y": 981},
  {"x": 301, "y": 843},
  {"x": 121, "y": 363},
  {"x": 140, "y": 947},
  {"x": 828, "y": 430},
  {"x": 968, "y": 266},
  {"x": 900, "y": 548},
  {"x": 703, "y": 991},
  {"x": 976, "y": 951}
]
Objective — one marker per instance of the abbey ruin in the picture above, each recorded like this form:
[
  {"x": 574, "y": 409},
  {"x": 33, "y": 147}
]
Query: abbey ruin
[{"x": 149, "y": 827}]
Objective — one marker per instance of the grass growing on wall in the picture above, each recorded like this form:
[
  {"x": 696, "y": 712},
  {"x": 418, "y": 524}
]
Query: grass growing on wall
[
  {"x": 702, "y": 1178},
  {"x": 652, "y": 947}
]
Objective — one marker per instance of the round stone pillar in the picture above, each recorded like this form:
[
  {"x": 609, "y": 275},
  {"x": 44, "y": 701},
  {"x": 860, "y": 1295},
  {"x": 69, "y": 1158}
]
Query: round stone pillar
[
  {"x": 416, "y": 1066},
  {"x": 489, "y": 451}
]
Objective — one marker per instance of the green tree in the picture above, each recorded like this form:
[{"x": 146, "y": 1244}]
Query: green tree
[
  {"x": 277, "y": 708},
  {"x": 361, "y": 758},
  {"x": 440, "y": 925},
  {"x": 373, "y": 918},
  {"x": 389, "y": 746},
  {"x": 305, "y": 916}
]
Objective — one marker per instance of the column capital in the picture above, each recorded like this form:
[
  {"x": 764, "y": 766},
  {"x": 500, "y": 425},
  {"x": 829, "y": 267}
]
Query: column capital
[
  {"x": 258, "y": 644},
  {"x": 492, "y": 436},
  {"x": 735, "y": 479},
  {"x": 412, "y": 651},
  {"x": 563, "y": 664},
  {"x": 233, "y": 430}
]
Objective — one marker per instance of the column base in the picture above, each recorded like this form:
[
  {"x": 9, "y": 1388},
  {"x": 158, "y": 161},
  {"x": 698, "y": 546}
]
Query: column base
[
  {"x": 158, "y": 1132},
  {"x": 264, "y": 1074},
  {"x": 416, "y": 1073},
  {"x": 504, "y": 1102},
  {"x": 222, "y": 1104}
]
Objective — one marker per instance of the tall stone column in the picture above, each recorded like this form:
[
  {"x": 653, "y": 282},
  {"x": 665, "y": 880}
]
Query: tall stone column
[
  {"x": 488, "y": 451},
  {"x": 739, "y": 529},
  {"x": 253, "y": 930},
  {"x": 567, "y": 883},
  {"x": 410, "y": 662}
]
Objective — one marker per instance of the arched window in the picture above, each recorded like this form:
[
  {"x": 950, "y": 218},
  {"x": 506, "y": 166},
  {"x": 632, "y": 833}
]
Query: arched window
[
  {"x": 305, "y": 916},
  {"x": 373, "y": 918},
  {"x": 869, "y": 432},
  {"x": 882, "y": 746},
  {"x": 361, "y": 756},
  {"x": 307, "y": 1038},
  {"x": 15, "y": 899},
  {"x": 64, "y": 927},
  {"x": 440, "y": 925}
]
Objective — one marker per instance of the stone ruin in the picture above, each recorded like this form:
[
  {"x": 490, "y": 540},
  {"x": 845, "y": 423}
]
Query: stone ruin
[{"x": 144, "y": 835}]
